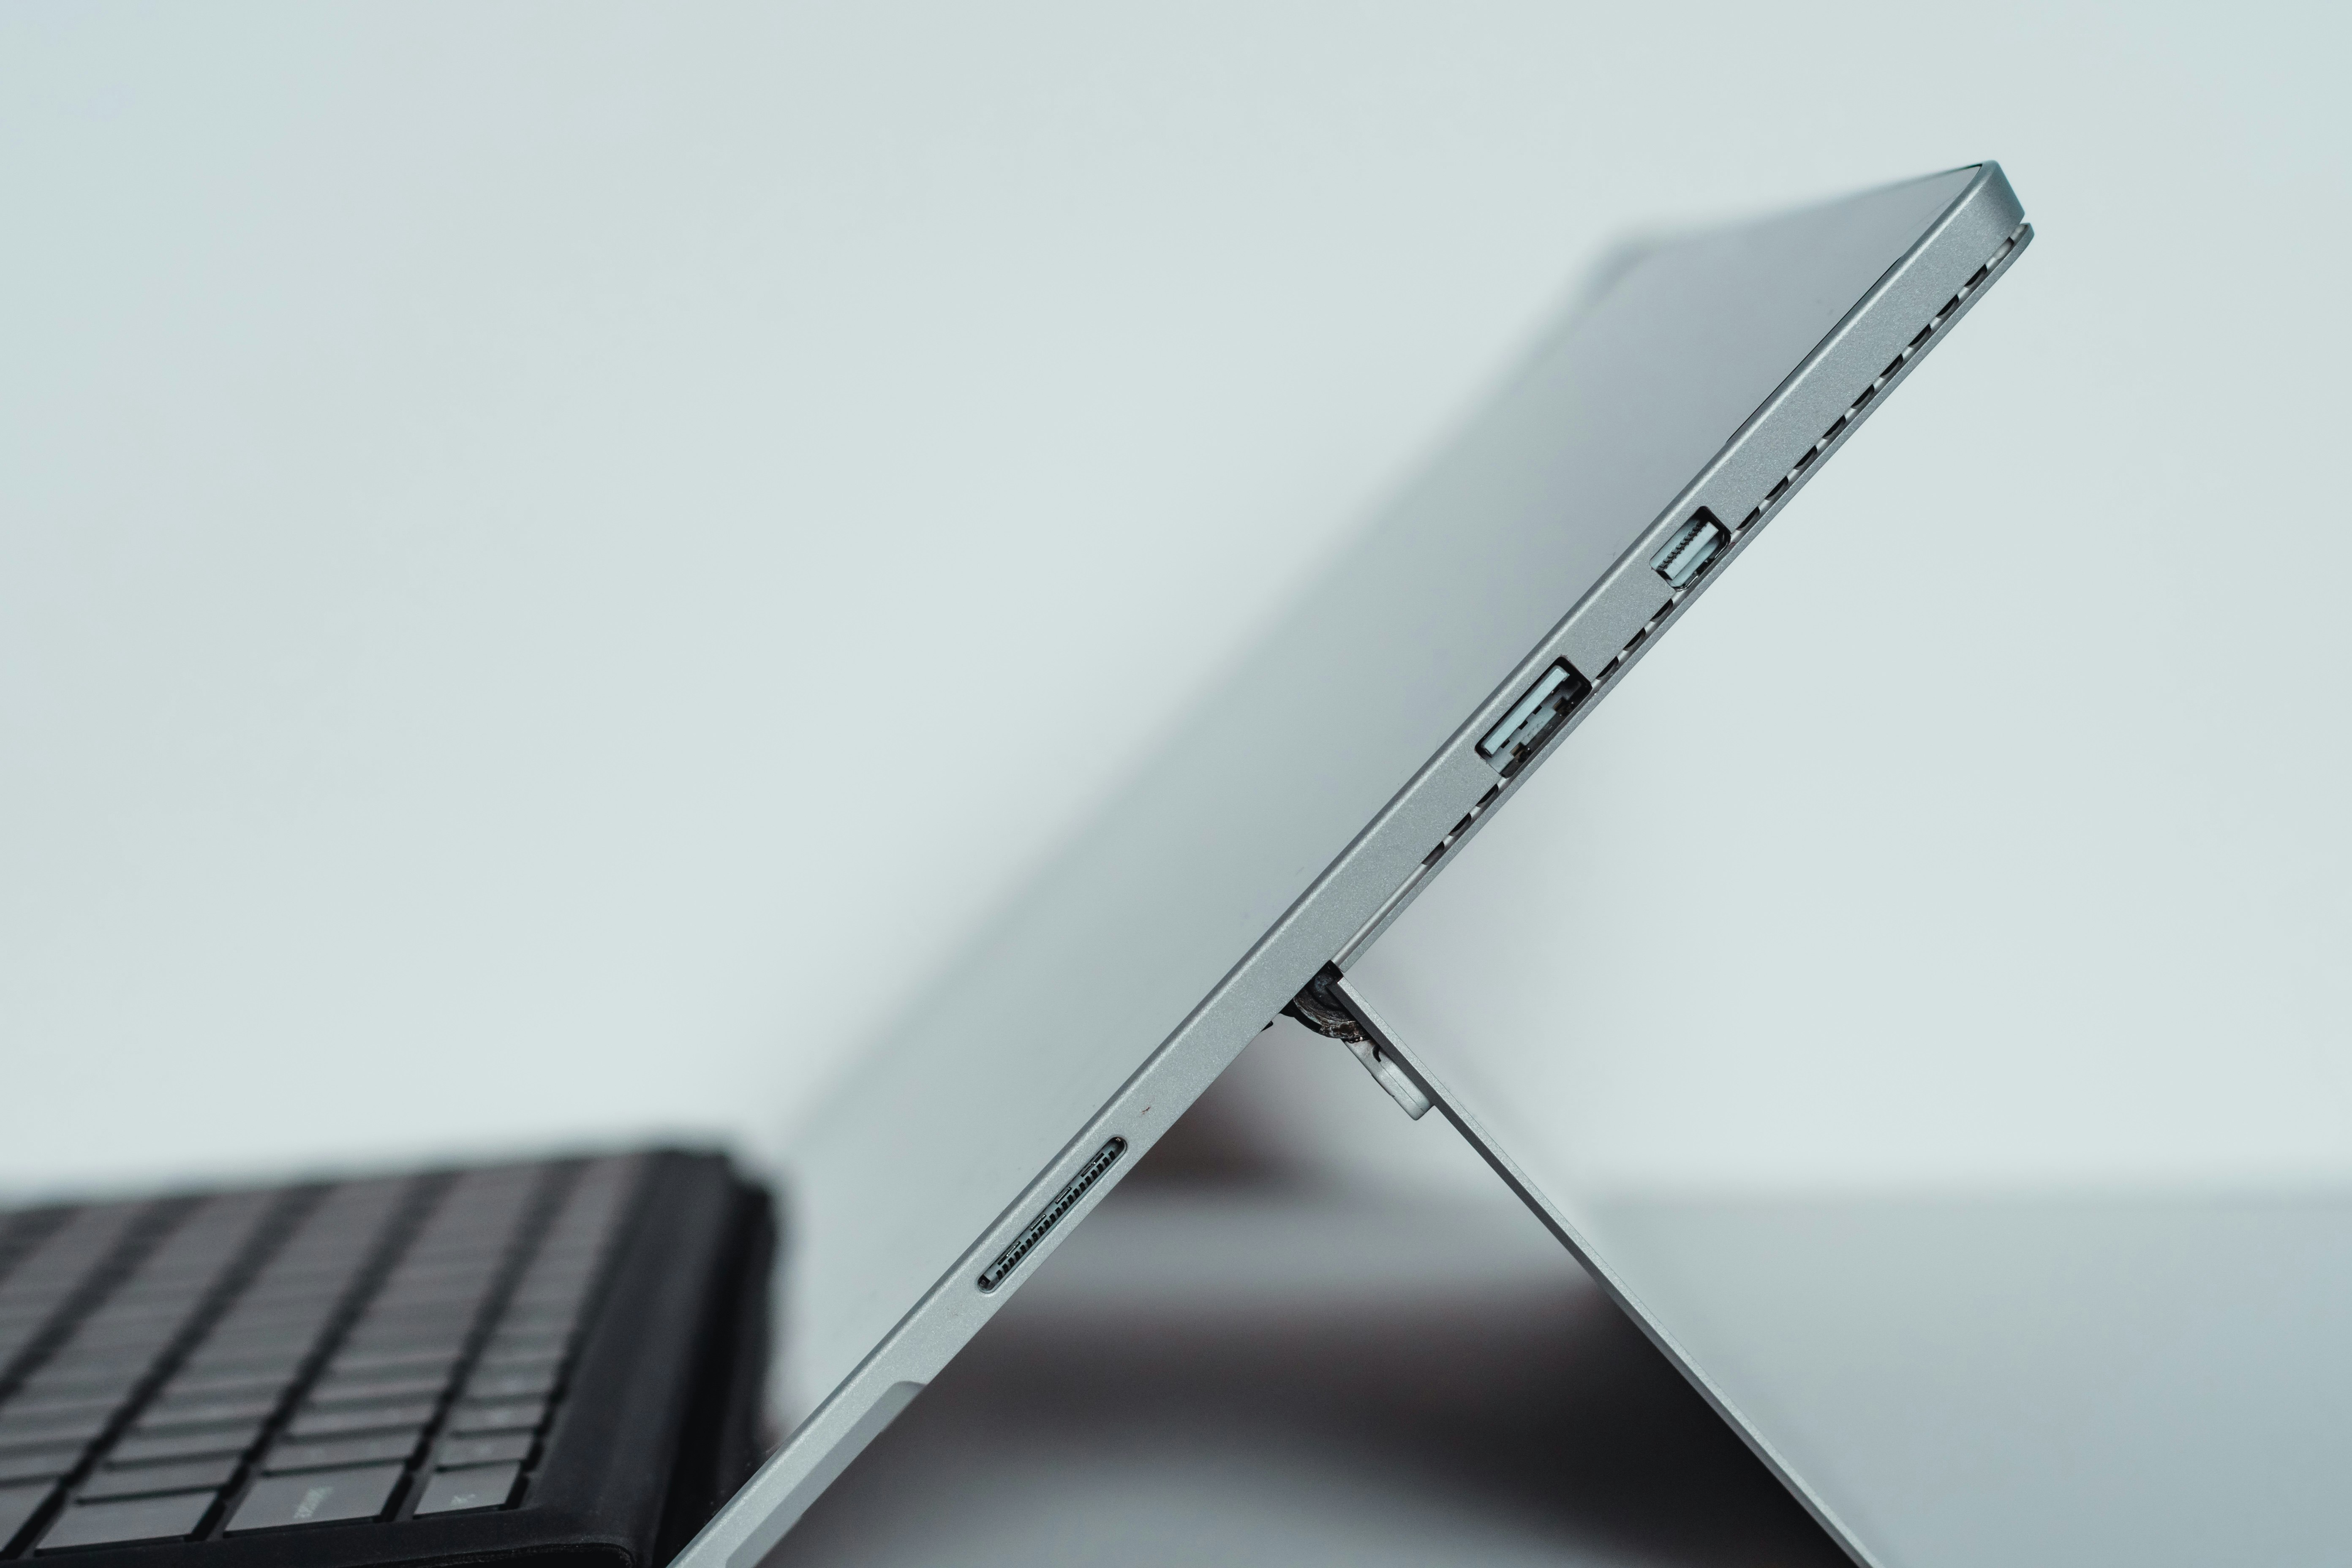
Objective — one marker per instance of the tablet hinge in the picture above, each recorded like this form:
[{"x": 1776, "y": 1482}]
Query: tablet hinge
[{"x": 1324, "y": 1005}]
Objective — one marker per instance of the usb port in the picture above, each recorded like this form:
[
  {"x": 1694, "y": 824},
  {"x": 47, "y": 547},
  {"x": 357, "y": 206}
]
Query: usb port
[
  {"x": 1534, "y": 718},
  {"x": 1695, "y": 544}
]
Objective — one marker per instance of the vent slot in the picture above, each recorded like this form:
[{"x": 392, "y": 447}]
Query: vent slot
[
  {"x": 1689, "y": 535},
  {"x": 1911, "y": 351},
  {"x": 1064, "y": 1202},
  {"x": 1454, "y": 834}
]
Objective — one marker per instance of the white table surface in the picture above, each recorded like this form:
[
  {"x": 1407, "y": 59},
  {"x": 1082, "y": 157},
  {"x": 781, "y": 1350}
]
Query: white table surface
[{"x": 1292, "y": 1374}]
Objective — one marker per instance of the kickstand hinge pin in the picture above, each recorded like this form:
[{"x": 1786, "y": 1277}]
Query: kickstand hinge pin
[{"x": 1323, "y": 1008}]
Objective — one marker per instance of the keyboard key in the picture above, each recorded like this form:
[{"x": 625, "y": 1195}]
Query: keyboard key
[
  {"x": 46, "y": 1465},
  {"x": 27, "y": 1407},
  {"x": 455, "y": 1451},
  {"x": 315, "y": 1498},
  {"x": 150, "y": 1299},
  {"x": 48, "y": 1431},
  {"x": 511, "y": 1415},
  {"x": 147, "y": 1519},
  {"x": 558, "y": 1259},
  {"x": 96, "y": 1379},
  {"x": 264, "y": 1321},
  {"x": 364, "y": 1390},
  {"x": 447, "y": 1347},
  {"x": 485, "y": 1486},
  {"x": 553, "y": 1296},
  {"x": 442, "y": 1290},
  {"x": 185, "y": 1445},
  {"x": 125, "y": 1340},
  {"x": 355, "y": 1361},
  {"x": 77, "y": 1365},
  {"x": 268, "y": 1342},
  {"x": 18, "y": 1505},
  {"x": 394, "y": 1305},
  {"x": 376, "y": 1447},
  {"x": 418, "y": 1328},
  {"x": 552, "y": 1279},
  {"x": 259, "y": 1383},
  {"x": 407, "y": 1334},
  {"x": 438, "y": 1270},
  {"x": 420, "y": 1317},
  {"x": 303, "y": 1303},
  {"x": 349, "y": 1420},
  {"x": 145, "y": 1480},
  {"x": 166, "y": 1416},
  {"x": 552, "y": 1314},
  {"x": 140, "y": 1302},
  {"x": 276, "y": 1363},
  {"x": 515, "y": 1383}
]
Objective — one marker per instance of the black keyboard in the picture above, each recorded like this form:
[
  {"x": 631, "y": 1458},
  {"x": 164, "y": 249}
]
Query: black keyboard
[{"x": 460, "y": 1364}]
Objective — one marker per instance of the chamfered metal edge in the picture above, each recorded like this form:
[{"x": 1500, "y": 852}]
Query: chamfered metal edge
[
  {"x": 1354, "y": 899},
  {"x": 1986, "y": 214}
]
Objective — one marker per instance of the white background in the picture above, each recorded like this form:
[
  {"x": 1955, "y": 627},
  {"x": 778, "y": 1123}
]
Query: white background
[{"x": 554, "y": 559}]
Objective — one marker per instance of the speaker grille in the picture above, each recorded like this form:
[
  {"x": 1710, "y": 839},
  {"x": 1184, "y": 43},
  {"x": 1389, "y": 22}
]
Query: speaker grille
[{"x": 1032, "y": 1232}]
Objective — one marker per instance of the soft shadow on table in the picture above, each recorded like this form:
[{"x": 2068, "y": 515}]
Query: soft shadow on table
[{"x": 1224, "y": 1367}]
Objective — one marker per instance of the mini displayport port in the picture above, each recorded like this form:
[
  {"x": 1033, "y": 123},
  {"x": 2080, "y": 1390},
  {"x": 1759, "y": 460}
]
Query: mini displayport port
[{"x": 1693, "y": 544}]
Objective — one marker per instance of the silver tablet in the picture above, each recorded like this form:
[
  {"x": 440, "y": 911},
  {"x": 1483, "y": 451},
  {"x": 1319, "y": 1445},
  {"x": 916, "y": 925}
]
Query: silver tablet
[{"x": 1263, "y": 848}]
